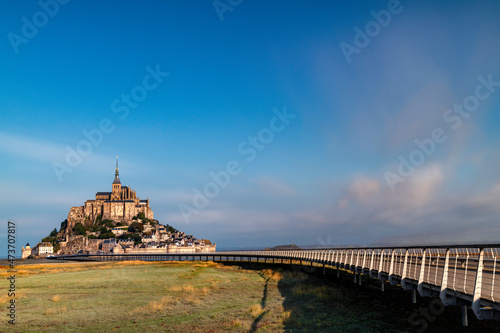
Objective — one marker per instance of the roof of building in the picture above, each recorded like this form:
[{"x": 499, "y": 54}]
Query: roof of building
[
  {"x": 103, "y": 193},
  {"x": 125, "y": 240}
]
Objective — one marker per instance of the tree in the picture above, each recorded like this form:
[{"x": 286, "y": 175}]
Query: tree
[
  {"x": 106, "y": 235},
  {"x": 137, "y": 238},
  {"x": 53, "y": 233},
  {"x": 108, "y": 223},
  {"x": 64, "y": 224},
  {"x": 49, "y": 239},
  {"x": 141, "y": 216},
  {"x": 171, "y": 229},
  {"x": 79, "y": 229},
  {"x": 135, "y": 227}
]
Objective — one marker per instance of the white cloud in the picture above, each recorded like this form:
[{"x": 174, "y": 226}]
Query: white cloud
[{"x": 30, "y": 148}]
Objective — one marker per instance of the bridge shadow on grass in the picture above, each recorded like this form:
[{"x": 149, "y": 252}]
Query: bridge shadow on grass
[
  {"x": 264, "y": 292},
  {"x": 255, "y": 323},
  {"x": 314, "y": 302},
  {"x": 317, "y": 303}
]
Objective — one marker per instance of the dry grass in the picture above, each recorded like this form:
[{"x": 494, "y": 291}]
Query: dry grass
[
  {"x": 236, "y": 323},
  {"x": 285, "y": 316},
  {"x": 205, "y": 290},
  {"x": 321, "y": 292},
  {"x": 187, "y": 276},
  {"x": 55, "y": 298},
  {"x": 37, "y": 269},
  {"x": 4, "y": 298},
  {"x": 204, "y": 264},
  {"x": 55, "y": 311},
  {"x": 156, "y": 306},
  {"x": 190, "y": 299},
  {"x": 255, "y": 310},
  {"x": 272, "y": 274},
  {"x": 190, "y": 294},
  {"x": 186, "y": 288},
  {"x": 294, "y": 276}
]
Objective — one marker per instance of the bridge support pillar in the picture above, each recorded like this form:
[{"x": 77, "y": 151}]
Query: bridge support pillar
[
  {"x": 338, "y": 272},
  {"x": 324, "y": 269},
  {"x": 414, "y": 296},
  {"x": 465, "y": 320},
  {"x": 354, "y": 277},
  {"x": 382, "y": 285},
  {"x": 359, "y": 279}
]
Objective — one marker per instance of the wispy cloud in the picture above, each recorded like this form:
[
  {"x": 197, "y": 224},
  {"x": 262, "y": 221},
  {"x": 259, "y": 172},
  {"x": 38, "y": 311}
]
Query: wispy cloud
[
  {"x": 274, "y": 186},
  {"x": 30, "y": 148}
]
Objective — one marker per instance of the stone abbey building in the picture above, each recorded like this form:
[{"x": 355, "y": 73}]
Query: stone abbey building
[{"x": 121, "y": 204}]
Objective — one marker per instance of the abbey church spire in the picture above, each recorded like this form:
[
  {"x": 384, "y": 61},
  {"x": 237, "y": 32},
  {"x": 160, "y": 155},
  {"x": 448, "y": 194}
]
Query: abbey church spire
[{"x": 117, "y": 175}]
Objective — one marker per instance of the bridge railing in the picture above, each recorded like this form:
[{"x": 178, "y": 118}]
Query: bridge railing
[{"x": 454, "y": 273}]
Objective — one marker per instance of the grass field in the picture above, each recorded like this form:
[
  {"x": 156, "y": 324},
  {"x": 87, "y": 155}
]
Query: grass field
[{"x": 211, "y": 297}]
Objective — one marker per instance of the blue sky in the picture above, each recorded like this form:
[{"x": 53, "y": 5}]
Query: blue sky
[{"x": 320, "y": 180}]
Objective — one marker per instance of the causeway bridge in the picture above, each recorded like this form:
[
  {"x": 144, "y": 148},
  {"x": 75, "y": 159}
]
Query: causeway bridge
[{"x": 460, "y": 275}]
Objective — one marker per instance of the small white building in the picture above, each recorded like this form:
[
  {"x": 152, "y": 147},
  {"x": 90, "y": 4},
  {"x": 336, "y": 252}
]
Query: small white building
[
  {"x": 147, "y": 239},
  {"x": 118, "y": 231},
  {"x": 42, "y": 249},
  {"x": 126, "y": 242}
]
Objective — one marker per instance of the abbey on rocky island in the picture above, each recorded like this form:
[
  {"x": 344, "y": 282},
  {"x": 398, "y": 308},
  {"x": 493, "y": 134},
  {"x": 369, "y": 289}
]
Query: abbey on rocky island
[{"x": 121, "y": 204}]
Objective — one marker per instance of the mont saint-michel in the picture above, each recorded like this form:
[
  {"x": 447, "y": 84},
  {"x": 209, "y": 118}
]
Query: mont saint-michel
[{"x": 115, "y": 222}]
